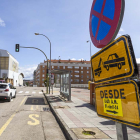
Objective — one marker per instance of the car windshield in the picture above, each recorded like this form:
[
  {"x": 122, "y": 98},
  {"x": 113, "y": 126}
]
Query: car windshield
[{"x": 3, "y": 86}]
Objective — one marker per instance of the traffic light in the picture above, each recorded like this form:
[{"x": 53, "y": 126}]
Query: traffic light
[
  {"x": 17, "y": 48},
  {"x": 47, "y": 71}
]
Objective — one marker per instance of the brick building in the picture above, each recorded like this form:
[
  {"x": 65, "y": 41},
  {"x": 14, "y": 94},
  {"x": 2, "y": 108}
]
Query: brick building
[{"x": 80, "y": 71}]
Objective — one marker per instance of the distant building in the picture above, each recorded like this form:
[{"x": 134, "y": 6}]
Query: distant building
[
  {"x": 80, "y": 71},
  {"x": 8, "y": 68},
  {"x": 20, "y": 79},
  {"x": 28, "y": 82}
]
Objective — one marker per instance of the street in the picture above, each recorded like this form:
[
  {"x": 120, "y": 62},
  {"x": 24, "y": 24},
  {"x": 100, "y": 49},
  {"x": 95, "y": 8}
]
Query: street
[{"x": 28, "y": 117}]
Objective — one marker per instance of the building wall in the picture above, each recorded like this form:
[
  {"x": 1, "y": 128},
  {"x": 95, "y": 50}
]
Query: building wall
[
  {"x": 8, "y": 67},
  {"x": 80, "y": 71}
]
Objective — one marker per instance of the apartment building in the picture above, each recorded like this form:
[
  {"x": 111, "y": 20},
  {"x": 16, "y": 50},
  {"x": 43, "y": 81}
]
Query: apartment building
[{"x": 80, "y": 71}]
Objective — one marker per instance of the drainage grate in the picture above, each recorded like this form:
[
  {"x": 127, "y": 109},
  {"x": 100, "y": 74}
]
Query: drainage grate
[
  {"x": 46, "y": 109},
  {"x": 88, "y": 133}
]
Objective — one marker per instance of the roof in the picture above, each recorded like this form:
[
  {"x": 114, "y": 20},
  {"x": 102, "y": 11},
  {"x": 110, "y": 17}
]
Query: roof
[{"x": 69, "y": 61}]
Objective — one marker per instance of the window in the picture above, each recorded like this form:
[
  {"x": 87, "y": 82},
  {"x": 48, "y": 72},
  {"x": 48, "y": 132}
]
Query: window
[
  {"x": 71, "y": 75},
  {"x": 71, "y": 80},
  {"x": 87, "y": 68},
  {"x": 76, "y": 80},
  {"x": 76, "y": 67},
  {"x": 81, "y": 76},
  {"x": 69, "y": 67},
  {"x": 76, "y": 75},
  {"x": 52, "y": 67},
  {"x": 58, "y": 67},
  {"x": 81, "y": 71},
  {"x": 81, "y": 80},
  {"x": 43, "y": 80},
  {"x": 43, "y": 71},
  {"x": 76, "y": 71},
  {"x": 43, "y": 66},
  {"x": 87, "y": 76},
  {"x": 63, "y": 67},
  {"x": 3, "y": 86},
  {"x": 43, "y": 75},
  {"x": 87, "y": 71},
  {"x": 81, "y": 67}
]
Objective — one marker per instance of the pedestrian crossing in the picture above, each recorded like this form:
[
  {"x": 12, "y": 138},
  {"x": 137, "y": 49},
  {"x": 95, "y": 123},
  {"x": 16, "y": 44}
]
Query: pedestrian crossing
[{"x": 32, "y": 92}]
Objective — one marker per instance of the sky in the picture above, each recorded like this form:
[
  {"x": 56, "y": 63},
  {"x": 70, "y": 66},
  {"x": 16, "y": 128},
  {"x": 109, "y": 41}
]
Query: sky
[{"x": 64, "y": 22}]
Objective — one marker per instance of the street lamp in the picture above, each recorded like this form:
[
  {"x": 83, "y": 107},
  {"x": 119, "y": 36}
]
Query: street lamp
[
  {"x": 50, "y": 60},
  {"x": 90, "y": 56}
]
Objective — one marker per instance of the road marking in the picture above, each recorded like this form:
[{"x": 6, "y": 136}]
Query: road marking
[
  {"x": 40, "y": 92},
  {"x": 27, "y": 92},
  {"x": 32, "y": 108},
  {"x": 35, "y": 121},
  {"x": 10, "y": 119},
  {"x": 35, "y": 101},
  {"x": 20, "y": 91},
  {"x": 33, "y": 92}
]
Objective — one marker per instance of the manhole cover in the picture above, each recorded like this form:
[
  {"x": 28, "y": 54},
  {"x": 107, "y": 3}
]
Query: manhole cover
[{"x": 88, "y": 133}]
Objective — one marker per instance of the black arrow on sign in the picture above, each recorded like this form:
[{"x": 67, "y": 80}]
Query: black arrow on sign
[{"x": 112, "y": 111}]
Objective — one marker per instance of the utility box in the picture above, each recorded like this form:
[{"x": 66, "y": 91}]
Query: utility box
[{"x": 92, "y": 93}]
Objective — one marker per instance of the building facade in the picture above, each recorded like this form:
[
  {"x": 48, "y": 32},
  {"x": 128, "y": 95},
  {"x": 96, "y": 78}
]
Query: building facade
[
  {"x": 80, "y": 71},
  {"x": 8, "y": 68}
]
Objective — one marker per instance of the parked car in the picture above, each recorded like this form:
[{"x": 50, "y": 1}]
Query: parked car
[{"x": 7, "y": 91}]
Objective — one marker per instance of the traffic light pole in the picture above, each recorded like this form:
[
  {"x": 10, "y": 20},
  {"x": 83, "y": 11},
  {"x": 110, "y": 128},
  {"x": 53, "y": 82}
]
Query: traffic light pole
[{"x": 46, "y": 59}]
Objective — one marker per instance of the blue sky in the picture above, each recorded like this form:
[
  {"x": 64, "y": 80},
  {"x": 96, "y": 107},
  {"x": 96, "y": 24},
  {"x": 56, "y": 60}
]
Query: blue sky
[{"x": 65, "y": 22}]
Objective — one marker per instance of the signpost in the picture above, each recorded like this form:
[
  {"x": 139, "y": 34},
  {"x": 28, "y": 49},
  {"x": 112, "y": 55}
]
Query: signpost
[
  {"x": 105, "y": 21},
  {"x": 119, "y": 101},
  {"x": 115, "y": 61},
  {"x": 116, "y": 98}
]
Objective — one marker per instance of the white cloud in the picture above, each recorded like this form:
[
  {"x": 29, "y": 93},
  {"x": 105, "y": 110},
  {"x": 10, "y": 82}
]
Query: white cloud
[
  {"x": 138, "y": 60},
  {"x": 80, "y": 59},
  {"x": 122, "y": 30},
  {"x": 27, "y": 71},
  {"x": 2, "y": 23},
  {"x": 73, "y": 59}
]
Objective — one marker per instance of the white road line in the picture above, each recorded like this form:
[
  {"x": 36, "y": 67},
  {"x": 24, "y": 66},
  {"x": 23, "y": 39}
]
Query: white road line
[
  {"x": 20, "y": 92},
  {"x": 40, "y": 92},
  {"x": 33, "y": 92},
  {"x": 27, "y": 92}
]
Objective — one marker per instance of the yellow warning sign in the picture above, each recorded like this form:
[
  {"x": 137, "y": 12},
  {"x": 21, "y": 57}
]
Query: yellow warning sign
[
  {"x": 113, "y": 106},
  {"x": 115, "y": 61},
  {"x": 119, "y": 101}
]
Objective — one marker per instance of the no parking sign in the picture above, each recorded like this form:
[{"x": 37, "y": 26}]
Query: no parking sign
[{"x": 105, "y": 21}]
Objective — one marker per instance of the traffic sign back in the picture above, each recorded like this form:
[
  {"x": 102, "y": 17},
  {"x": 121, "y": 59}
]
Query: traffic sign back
[
  {"x": 105, "y": 21},
  {"x": 115, "y": 61}
]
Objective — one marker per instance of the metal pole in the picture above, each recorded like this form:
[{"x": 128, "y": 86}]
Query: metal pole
[
  {"x": 46, "y": 59},
  {"x": 50, "y": 61},
  {"x": 121, "y": 131},
  {"x": 50, "y": 69},
  {"x": 90, "y": 58}
]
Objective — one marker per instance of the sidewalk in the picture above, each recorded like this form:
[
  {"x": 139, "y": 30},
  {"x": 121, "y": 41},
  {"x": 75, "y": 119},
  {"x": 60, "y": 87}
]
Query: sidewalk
[{"x": 78, "y": 116}]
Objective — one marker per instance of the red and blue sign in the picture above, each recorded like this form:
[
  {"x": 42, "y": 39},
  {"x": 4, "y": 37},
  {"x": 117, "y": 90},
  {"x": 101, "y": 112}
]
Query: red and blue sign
[{"x": 105, "y": 21}]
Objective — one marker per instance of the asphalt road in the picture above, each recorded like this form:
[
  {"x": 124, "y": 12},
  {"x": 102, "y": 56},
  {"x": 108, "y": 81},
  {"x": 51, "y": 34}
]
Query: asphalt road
[{"x": 28, "y": 117}]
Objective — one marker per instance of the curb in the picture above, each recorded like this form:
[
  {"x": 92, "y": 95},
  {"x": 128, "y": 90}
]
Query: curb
[{"x": 66, "y": 130}]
